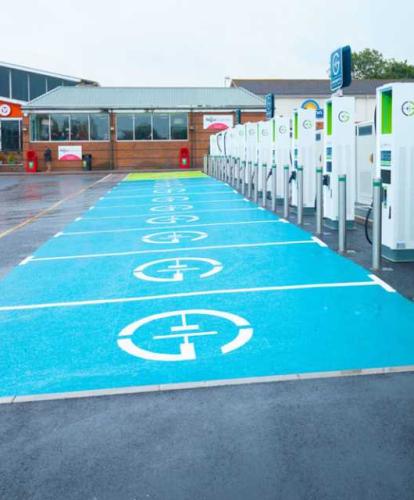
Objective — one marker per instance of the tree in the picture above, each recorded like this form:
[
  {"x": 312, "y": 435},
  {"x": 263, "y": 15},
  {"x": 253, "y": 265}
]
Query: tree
[{"x": 371, "y": 64}]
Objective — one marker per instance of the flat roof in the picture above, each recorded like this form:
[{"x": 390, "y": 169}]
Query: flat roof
[
  {"x": 146, "y": 98},
  {"x": 304, "y": 87}
]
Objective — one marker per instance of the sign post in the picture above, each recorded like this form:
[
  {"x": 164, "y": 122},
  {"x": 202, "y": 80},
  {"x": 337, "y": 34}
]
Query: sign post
[{"x": 270, "y": 106}]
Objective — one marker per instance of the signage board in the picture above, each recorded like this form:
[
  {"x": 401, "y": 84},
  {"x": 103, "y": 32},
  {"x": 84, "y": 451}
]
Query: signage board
[
  {"x": 215, "y": 123},
  {"x": 340, "y": 68},
  {"x": 70, "y": 153},
  {"x": 270, "y": 105}
]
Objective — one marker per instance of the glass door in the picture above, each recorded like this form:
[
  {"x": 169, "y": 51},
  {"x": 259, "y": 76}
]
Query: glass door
[{"x": 10, "y": 135}]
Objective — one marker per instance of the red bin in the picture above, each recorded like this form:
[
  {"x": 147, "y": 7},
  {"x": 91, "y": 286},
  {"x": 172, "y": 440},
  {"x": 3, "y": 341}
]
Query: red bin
[
  {"x": 31, "y": 164},
  {"x": 184, "y": 158}
]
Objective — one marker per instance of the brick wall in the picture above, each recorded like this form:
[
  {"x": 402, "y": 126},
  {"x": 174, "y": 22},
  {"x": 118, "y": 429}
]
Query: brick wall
[{"x": 138, "y": 154}]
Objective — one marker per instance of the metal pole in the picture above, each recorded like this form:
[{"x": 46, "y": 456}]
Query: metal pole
[
  {"x": 342, "y": 213},
  {"x": 256, "y": 182},
  {"x": 264, "y": 184},
  {"x": 319, "y": 201},
  {"x": 274, "y": 187},
  {"x": 299, "y": 185},
  {"x": 376, "y": 224},
  {"x": 205, "y": 163},
  {"x": 237, "y": 173},
  {"x": 249, "y": 179},
  {"x": 286, "y": 191}
]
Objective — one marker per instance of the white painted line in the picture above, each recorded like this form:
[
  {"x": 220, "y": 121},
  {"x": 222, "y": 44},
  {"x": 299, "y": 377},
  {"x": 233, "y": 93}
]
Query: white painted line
[
  {"x": 194, "y": 212},
  {"x": 168, "y": 250},
  {"x": 208, "y": 383},
  {"x": 92, "y": 207},
  {"x": 98, "y": 231},
  {"x": 104, "y": 178},
  {"x": 319, "y": 242},
  {"x": 26, "y": 260},
  {"x": 78, "y": 219},
  {"x": 284, "y": 221},
  {"x": 151, "y": 195},
  {"x": 382, "y": 283},
  {"x": 143, "y": 205},
  {"x": 277, "y": 288},
  {"x": 261, "y": 208},
  {"x": 58, "y": 234}
]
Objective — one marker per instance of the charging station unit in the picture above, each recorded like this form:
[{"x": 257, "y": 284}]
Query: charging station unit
[
  {"x": 395, "y": 166},
  {"x": 251, "y": 153},
  {"x": 282, "y": 145},
  {"x": 240, "y": 152},
  {"x": 265, "y": 153},
  {"x": 304, "y": 156},
  {"x": 339, "y": 158},
  {"x": 214, "y": 149}
]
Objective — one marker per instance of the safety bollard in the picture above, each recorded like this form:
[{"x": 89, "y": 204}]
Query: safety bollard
[
  {"x": 205, "y": 163},
  {"x": 342, "y": 213},
  {"x": 286, "y": 191},
  {"x": 319, "y": 201},
  {"x": 274, "y": 187},
  {"x": 212, "y": 161},
  {"x": 376, "y": 224},
  {"x": 243, "y": 178},
  {"x": 249, "y": 179},
  {"x": 299, "y": 184},
  {"x": 264, "y": 184},
  {"x": 256, "y": 175}
]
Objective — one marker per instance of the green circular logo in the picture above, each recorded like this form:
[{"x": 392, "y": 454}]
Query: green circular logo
[
  {"x": 408, "y": 108},
  {"x": 282, "y": 129},
  {"x": 344, "y": 116},
  {"x": 307, "y": 124}
]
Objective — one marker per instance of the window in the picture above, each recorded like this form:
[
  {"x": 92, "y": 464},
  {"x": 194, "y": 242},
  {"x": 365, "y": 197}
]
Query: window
[
  {"x": 179, "y": 126},
  {"x": 125, "y": 127},
  {"x": 39, "y": 127},
  {"x": 99, "y": 127},
  {"x": 19, "y": 85},
  {"x": 152, "y": 126},
  {"x": 161, "y": 126},
  {"x": 52, "y": 83},
  {"x": 59, "y": 127},
  {"x": 143, "y": 127},
  {"x": 79, "y": 127},
  {"x": 37, "y": 85},
  {"x": 4, "y": 82}
]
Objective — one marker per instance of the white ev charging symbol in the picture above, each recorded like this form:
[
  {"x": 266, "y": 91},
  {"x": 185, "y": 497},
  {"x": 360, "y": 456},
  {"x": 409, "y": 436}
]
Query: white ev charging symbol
[
  {"x": 173, "y": 219},
  {"x": 184, "y": 327},
  {"x": 336, "y": 64},
  {"x": 170, "y": 270},
  {"x": 170, "y": 199},
  {"x": 171, "y": 208},
  {"x": 171, "y": 237}
]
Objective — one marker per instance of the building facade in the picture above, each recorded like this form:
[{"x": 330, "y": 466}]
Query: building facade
[
  {"x": 132, "y": 128},
  {"x": 18, "y": 85}
]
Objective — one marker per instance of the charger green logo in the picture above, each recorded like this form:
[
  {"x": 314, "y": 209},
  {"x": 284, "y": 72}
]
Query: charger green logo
[
  {"x": 344, "y": 116},
  {"x": 307, "y": 124},
  {"x": 282, "y": 129},
  {"x": 408, "y": 108}
]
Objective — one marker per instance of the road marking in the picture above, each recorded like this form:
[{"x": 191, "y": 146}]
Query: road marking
[
  {"x": 197, "y": 211},
  {"x": 167, "y": 250},
  {"x": 319, "y": 242},
  {"x": 382, "y": 283},
  {"x": 98, "y": 231},
  {"x": 143, "y": 205},
  {"x": 277, "y": 288},
  {"x": 151, "y": 195},
  {"x": 36, "y": 217}
]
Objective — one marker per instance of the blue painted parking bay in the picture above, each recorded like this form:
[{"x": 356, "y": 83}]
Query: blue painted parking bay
[{"x": 214, "y": 290}]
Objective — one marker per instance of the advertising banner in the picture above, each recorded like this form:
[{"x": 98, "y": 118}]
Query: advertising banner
[
  {"x": 70, "y": 153},
  {"x": 217, "y": 122}
]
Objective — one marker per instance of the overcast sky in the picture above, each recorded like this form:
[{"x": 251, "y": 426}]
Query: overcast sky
[{"x": 198, "y": 42}]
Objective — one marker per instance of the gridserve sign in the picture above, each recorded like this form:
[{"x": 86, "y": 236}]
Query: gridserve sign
[{"x": 340, "y": 68}]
